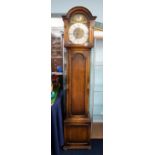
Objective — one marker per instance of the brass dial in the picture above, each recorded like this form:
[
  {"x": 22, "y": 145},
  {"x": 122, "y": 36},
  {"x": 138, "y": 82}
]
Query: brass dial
[{"x": 78, "y": 33}]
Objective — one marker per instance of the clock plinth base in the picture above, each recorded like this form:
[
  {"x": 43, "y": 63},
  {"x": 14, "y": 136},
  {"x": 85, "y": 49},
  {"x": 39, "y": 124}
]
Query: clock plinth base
[
  {"x": 77, "y": 133},
  {"x": 74, "y": 147}
]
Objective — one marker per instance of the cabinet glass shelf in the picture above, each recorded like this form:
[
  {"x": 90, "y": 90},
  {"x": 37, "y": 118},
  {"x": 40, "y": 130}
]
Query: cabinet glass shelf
[
  {"x": 98, "y": 88},
  {"x": 55, "y": 57},
  {"x": 57, "y": 73}
]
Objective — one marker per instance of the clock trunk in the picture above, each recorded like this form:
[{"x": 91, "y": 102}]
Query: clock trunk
[{"x": 77, "y": 123}]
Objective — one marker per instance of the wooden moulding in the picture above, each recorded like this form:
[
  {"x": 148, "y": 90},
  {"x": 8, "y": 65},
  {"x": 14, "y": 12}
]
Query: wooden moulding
[{"x": 77, "y": 134}]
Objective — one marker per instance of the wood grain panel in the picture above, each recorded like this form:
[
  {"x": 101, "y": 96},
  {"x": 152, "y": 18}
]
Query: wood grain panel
[
  {"x": 78, "y": 74},
  {"x": 78, "y": 134}
]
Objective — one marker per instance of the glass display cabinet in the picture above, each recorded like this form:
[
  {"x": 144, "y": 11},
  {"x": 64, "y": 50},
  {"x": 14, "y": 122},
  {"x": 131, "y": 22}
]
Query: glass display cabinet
[
  {"x": 96, "y": 98},
  {"x": 96, "y": 89}
]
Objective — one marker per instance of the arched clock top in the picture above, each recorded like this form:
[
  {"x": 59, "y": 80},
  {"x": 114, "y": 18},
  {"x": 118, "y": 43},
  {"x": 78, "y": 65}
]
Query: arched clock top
[{"x": 80, "y": 10}]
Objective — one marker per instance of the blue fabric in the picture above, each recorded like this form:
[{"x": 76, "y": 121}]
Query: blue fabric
[{"x": 57, "y": 136}]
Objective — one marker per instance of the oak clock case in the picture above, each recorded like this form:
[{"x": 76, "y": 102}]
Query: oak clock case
[{"x": 78, "y": 41}]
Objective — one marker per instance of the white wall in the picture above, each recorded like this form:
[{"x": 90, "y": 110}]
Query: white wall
[{"x": 62, "y": 6}]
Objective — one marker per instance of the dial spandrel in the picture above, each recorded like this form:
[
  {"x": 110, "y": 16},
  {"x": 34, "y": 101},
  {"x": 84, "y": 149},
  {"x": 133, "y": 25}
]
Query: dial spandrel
[{"x": 78, "y": 18}]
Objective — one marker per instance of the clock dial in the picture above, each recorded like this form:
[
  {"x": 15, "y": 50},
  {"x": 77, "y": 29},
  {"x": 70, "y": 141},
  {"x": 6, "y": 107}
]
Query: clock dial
[{"x": 78, "y": 33}]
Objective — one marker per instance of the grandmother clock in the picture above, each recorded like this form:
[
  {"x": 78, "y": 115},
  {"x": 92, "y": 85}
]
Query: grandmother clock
[{"x": 78, "y": 41}]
